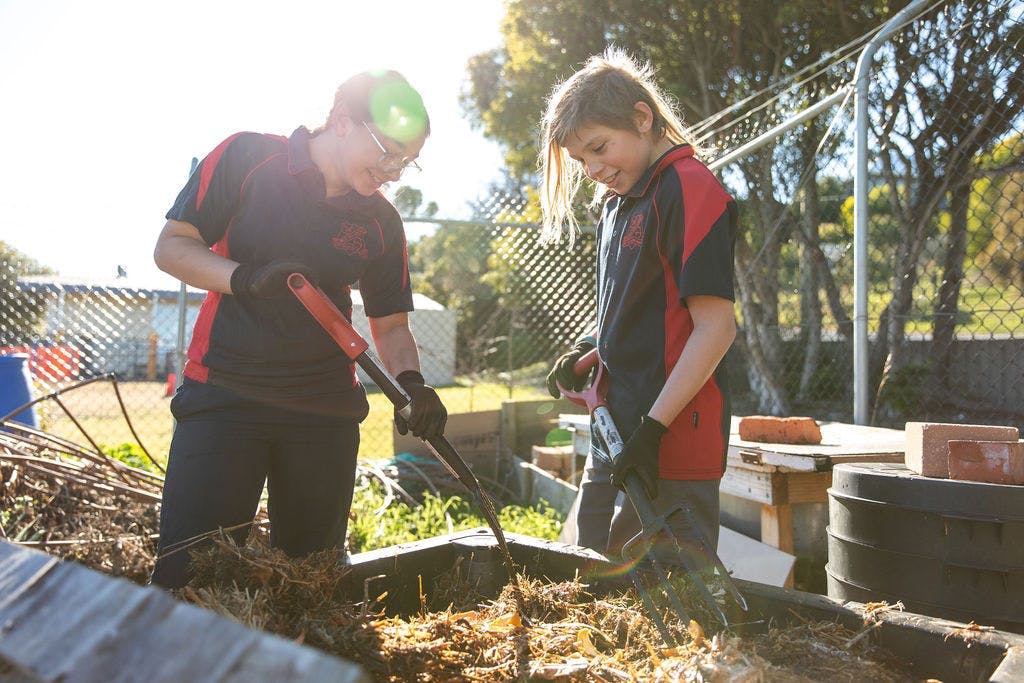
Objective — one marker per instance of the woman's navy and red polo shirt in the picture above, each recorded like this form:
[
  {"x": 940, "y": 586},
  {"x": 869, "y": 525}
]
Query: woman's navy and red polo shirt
[
  {"x": 668, "y": 238},
  {"x": 257, "y": 198}
]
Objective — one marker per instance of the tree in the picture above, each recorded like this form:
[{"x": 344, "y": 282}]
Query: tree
[
  {"x": 23, "y": 309},
  {"x": 408, "y": 201},
  {"x": 709, "y": 56},
  {"x": 449, "y": 266},
  {"x": 945, "y": 103}
]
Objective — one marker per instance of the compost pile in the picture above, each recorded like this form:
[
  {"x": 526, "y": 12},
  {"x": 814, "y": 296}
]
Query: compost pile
[
  {"x": 76, "y": 503},
  {"x": 567, "y": 633}
]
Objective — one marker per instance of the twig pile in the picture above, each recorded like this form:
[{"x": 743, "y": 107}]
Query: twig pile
[{"x": 77, "y": 504}]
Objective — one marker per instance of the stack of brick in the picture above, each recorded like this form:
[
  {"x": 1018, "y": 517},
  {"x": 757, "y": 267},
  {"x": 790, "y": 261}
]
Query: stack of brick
[{"x": 983, "y": 453}]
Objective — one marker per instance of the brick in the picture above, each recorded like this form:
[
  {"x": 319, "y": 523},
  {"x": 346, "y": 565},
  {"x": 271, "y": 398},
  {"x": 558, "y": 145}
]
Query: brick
[
  {"x": 555, "y": 459},
  {"x": 771, "y": 429},
  {"x": 927, "y": 449},
  {"x": 993, "y": 462}
]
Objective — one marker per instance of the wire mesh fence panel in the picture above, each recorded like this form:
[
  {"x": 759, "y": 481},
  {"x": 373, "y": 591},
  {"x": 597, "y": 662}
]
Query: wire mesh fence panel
[
  {"x": 944, "y": 227},
  {"x": 946, "y": 221},
  {"x": 491, "y": 312},
  {"x": 73, "y": 331}
]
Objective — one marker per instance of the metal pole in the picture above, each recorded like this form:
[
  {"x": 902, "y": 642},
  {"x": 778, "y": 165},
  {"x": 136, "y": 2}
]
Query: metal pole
[
  {"x": 860, "y": 209},
  {"x": 786, "y": 125},
  {"x": 179, "y": 370}
]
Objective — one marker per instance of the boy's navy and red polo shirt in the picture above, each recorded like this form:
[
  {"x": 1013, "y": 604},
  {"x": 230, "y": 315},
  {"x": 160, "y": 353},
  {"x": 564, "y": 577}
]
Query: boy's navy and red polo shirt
[
  {"x": 257, "y": 198},
  {"x": 668, "y": 238}
]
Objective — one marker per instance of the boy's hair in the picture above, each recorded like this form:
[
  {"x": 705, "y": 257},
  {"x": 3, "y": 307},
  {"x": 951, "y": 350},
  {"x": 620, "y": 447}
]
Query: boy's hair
[
  {"x": 604, "y": 93},
  {"x": 385, "y": 99}
]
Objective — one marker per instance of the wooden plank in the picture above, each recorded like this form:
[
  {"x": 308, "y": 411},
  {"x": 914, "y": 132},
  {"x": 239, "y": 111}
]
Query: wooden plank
[
  {"x": 73, "y": 609},
  {"x": 777, "y": 526},
  {"x": 74, "y": 624},
  {"x": 755, "y": 456},
  {"x": 749, "y": 484},
  {"x": 838, "y": 459},
  {"x": 171, "y": 640},
  {"x": 276, "y": 659},
  {"x": 20, "y": 570},
  {"x": 837, "y": 439},
  {"x": 737, "y": 463},
  {"x": 807, "y": 487}
]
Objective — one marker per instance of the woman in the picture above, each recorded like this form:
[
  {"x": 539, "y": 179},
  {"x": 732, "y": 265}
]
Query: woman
[{"x": 267, "y": 396}]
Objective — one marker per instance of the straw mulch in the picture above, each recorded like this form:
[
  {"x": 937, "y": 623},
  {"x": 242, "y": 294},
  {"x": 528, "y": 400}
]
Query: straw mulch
[{"x": 572, "y": 634}]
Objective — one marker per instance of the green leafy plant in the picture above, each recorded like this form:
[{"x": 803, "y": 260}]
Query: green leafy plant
[
  {"x": 130, "y": 454},
  {"x": 374, "y": 526}
]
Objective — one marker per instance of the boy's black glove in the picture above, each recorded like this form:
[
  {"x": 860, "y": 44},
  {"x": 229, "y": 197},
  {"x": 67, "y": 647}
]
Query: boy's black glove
[
  {"x": 268, "y": 281},
  {"x": 640, "y": 455},
  {"x": 428, "y": 415},
  {"x": 563, "y": 373}
]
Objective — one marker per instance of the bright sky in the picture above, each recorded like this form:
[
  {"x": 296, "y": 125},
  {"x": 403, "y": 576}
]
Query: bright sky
[{"x": 105, "y": 103}]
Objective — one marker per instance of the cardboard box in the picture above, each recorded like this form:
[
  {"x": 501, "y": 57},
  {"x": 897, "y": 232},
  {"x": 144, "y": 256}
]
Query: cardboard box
[{"x": 476, "y": 437}]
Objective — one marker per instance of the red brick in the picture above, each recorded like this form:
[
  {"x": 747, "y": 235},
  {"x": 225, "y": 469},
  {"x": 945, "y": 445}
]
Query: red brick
[
  {"x": 927, "y": 450},
  {"x": 994, "y": 462},
  {"x": 771, "y": 429}
]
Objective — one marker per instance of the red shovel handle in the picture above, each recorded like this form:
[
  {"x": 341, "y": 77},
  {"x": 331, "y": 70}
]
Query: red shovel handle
[
  {"x": 593, "y": 396},
  {"x": 328, "y": 315}
]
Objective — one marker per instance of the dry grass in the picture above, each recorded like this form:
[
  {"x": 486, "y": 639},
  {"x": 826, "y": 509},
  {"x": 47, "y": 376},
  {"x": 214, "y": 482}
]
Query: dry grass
[{"x": 96, "y": 408}]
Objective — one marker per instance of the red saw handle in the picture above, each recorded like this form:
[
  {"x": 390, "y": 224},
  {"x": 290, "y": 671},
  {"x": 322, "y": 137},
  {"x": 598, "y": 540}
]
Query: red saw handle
[
  {"x": 328, "y": 315},
  {"x": 593, "y": 396}
]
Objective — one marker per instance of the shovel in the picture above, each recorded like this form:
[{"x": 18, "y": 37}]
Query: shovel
[
  {"x": 358, "y": 350},
  {"x": 655, "y": 529}
]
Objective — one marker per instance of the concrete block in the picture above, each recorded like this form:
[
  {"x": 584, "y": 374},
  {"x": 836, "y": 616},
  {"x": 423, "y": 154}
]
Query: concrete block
[
  {"x": 927, "y": 449},
  {"x": 536, "y": 484},
  {"x": 993, "y": 462}
]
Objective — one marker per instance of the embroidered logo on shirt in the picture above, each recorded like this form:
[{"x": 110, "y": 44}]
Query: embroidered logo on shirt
[
  {"x": 634, "y": 235},
  {"x": 350, "y": 240}
]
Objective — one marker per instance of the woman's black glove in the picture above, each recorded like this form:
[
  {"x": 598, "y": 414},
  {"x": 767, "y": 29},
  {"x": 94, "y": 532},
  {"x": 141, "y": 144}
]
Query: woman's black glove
[
  {"x": 562, "y": 371},
  {"x": 270, "y": 281},
  {"x": 640, "y": 455},
  {"x": 428, "y": 415}
]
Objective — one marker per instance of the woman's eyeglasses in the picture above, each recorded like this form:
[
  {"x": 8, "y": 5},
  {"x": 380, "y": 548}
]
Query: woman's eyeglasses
[{"x": 388, "y": 161}]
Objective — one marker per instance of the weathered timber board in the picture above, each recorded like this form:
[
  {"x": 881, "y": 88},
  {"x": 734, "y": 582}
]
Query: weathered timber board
[
  {"x": 62, "y": 621},
  {"x": 840, "y": 442}
]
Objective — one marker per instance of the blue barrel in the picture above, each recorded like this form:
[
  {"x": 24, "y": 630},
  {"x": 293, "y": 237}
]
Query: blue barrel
[{"x": 16, "y": 388}]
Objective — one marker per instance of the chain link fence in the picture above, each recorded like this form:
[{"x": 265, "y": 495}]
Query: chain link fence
[
  {"x": 494, "y": 306},
  {"x": 944, "y": 232}
]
